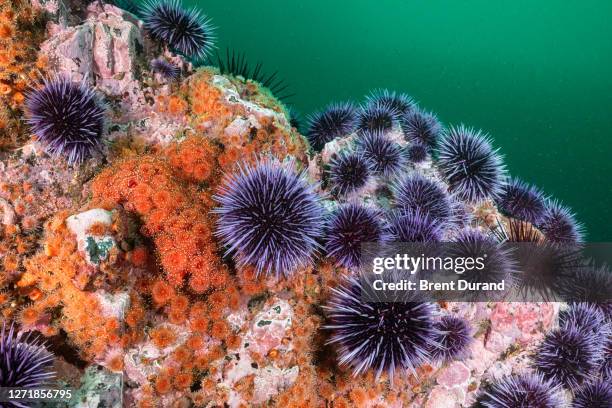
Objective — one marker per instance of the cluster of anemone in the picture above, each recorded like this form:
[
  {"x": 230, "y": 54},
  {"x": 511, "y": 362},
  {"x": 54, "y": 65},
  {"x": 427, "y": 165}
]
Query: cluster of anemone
[
  {"x": 269, "y": 217},
  {"x": 68, "y": 118},
  {"x": 187, "y": 31},
  {"x": 24, "y": 360}
]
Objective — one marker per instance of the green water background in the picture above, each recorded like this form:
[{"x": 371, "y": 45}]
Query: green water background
[{"x": 536, "y": 75}]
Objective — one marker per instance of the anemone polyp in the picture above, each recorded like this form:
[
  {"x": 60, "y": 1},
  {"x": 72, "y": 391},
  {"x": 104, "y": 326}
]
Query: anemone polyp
[
  {"x": 526, "y": 390},
  {"x": 380, "y": 116},
  {"x": 416, "y": 192},
  {"x": 349, "y": 172},
  {"x": 24, "y": 360},
  {"x": 522, "y": 201},
  {"x": 421, "y": 127},
  {"x": 387, "y": 156},
  {"x": 383, "y": 336},
  {"x": 474, "y": 169},
  {"x": 559, "y": 224},
  {"x": 350, "y": 226},
  {"x": 336, "y": 120},
  {"x": 165, "y": 68},
  {"x": 401, "y": 102},
  {"x": 68, "y": 119},
  {"x": 568, "y": 356},
  {"x": 187, "y": 31},
  {"x": 269, "y": 217},
  {"x": 454, "y": 338}
]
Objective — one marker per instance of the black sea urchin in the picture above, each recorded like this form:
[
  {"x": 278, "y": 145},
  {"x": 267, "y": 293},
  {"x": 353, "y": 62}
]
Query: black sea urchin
[
  {"x": 349, "y": 172},
  {"x": 24, "y": 361},
  {"x": 421, "y": 127},
  {"x": 522, "y": 391},
  {"x": 569, "y": 357},
  {"x": 414, "y": 226},
  {"x": 165, "y": 68},
  {"x": 472, "y": 167},
  {"x": 336, "y": 120},
  {"x": 269, "y": 217},
  {"x": 454, "y": 337},
  {"x": 380, "y": 117},
  {"x": 520, "y": 200},
  {"x": 68, "y": 119},
  {"x": 387, "y": 156},
  {"x": 416, "y": 192},
  {"x": 351, "y": 226},
  {"x": 187, "y": 31},
  {"x": 498, "y": 262},
  {"x": 378, "y": 335},
  {"x": 559, "y": 224},
  {"x": 597, "y": 394},
  {"x": 401, "y": 102}
]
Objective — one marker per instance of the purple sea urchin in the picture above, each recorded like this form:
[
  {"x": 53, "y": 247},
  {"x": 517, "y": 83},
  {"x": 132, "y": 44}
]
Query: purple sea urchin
[
  {"x": 351, "y": 226},
  {"x": 336, "y": 120},
  {"x": 414, "y": 226},
  {"x": 416, "y": 192},
  {"x": 68, "y": 119},
  {"x": 474, "y": 169},
  {"x": 187, "y": 31},
  {"x": 568, "y": 356},
  {"x": 379, "y": 116},
  {"x": 401, "y": 102},
  {"x": 24, "y": 361},
  {"x": 591, "y": 284},
  {"x": 559, "y": 224},
  {"x": 520, "y": 200},
  {"x": 166, "y": 69},
  {"x": 586, "y": 318},
  {"x": 522, "y": 391},
  {"x": 349, "y": 172},
  {"x": 387, "y": 156},
  {"x": 454, "y": 337},
  {"x": 597, "y": 394},
  {"x": 383, "y": 336},
  {"x": 269, "y": 217},
  {"x": 417, "y": 153},
  {"x": 421, "y": 127},
  {"x": 498, "y": 265}
]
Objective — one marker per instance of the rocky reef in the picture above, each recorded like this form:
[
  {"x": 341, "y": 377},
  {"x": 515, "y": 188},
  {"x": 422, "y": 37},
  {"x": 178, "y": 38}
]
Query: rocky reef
[{"x": 177, "y": 239}]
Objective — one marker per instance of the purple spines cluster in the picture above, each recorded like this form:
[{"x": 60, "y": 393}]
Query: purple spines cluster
[
  {"x": 587, "y": 318},
  {"x": 454, "y": 336},
  {"x": 165, "y": 68},
  {"x": 187, "y": 31},
  {"x": 349, "y": 173},
  {"x": 569, "y": 357},
  {"x": 522, "y": 391},
  {"x": 596, "y": 394},
  {"x": 421, "y": 128},
  {"x": 350, "y": 226},
  {"x": 499, "y": 264},
  {"x": 269, "y": 217},
  {"x": 336, "y": 120},
  {"x": 417, "y": 153},
  {"x": 400, "y": 102},
  {"x": 472, "y": 167},
  {"x": 24, "y": 360},
  {"x": 416, "y": 192},
  {"x": 377, "y": 116},
  {"x": 414, "y": 226},
  {"x": 593, "y": 284},
  {"x": 606, "y": 366},
  {"x": 381, "y": 335},
  {"x": 559, "y": 224},
  {"x": 522, "y": 201},
  {"x": 68, "y": 119},
  {"x": 388, "y": 157}
]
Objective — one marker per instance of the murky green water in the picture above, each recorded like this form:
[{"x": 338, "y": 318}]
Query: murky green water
[{"x": 536, "y": 75}]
